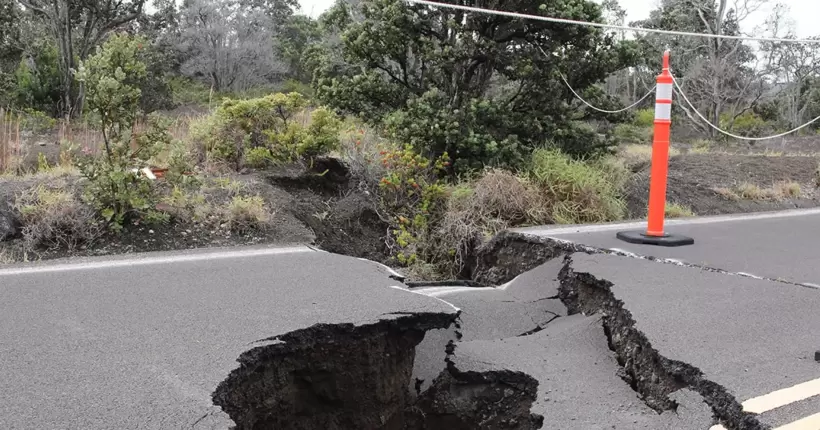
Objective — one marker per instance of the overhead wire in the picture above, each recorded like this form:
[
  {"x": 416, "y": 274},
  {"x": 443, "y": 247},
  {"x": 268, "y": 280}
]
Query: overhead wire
[
  {"x": 609, "y": 26},
  {"x": 644, "y": 30},
  {"x": 589, "y": 105},
  {"x": 724, "y": 132}
]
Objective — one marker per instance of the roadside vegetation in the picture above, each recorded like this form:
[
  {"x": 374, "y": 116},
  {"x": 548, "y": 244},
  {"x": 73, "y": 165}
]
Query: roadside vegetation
[{"x": 156, "y": 138}]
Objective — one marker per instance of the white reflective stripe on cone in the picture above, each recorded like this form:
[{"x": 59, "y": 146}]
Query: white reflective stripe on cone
[
  {"x": 663, "y": 111},
  {"x": 664, "y": 92}
]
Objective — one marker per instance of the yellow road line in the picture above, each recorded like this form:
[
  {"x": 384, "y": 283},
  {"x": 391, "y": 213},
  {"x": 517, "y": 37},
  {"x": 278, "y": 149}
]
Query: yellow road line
[
  {"x": 786, "y": 396},
  {"x": 783, "y": 397},
  {"x": 811, "y": 422}
]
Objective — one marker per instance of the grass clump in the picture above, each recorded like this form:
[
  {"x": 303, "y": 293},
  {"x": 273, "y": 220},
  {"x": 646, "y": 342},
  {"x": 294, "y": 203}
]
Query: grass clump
[
  {"x": 787, "y": 189},
  {"x": 675, "y": 210},
  {"x": 245, "y": 214},
  {"x": 635, "y": 154},
  {"x": 55, "y": 219},
  {"x": 749, "y": 191},
  {"x": 576, "y": 192}
]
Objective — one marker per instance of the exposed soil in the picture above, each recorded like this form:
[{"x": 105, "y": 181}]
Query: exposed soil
[
  {"x": 694, "y": 181},
  {"x": 317, "y": 206}
]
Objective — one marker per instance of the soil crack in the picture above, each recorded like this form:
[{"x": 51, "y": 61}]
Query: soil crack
[{"x": 653, "y": 376}]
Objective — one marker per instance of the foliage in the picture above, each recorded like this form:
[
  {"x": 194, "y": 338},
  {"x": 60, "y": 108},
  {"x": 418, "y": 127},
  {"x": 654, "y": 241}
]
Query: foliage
[
  {"x": 746, "y": 124},
  {"x": 475, "y": 87},
  {"x": 247, "y": 213},
  {"x": 628, "y": 133},
  {"x": 675, "y": 210},
  {"x": 644, "y": 118},
  {"x": 577, "y": 192},
  {"x": 112, "y": 79},
  {"x": 36, "y": 121},
  {"x": 77, "y": 29},
  {"x": 38, "y": 80},
  {"x": 413, "y": 196},
  {"x": 115, "y": 188},
  {"x": 55, "y": 218},
  {"x": 155, "y": 89},
  {"x": 267, "y": 131},
  {"x": 298, "y": 33},
  {"x": 228, "y": 43}
]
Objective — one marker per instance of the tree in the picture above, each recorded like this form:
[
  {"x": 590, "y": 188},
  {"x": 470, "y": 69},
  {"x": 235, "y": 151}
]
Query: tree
[
  {"x": 228, "y": 44},
  {"x": 474, "y": 86},
  {"x": 78, "y": 26},
  {"x": 794, "y": 69},
  {"x": 112, "y": 77},
  {"x": 297, "y": 34},
  {"x": 9, "y": 49},
  {"x": 720, "y": 76}
]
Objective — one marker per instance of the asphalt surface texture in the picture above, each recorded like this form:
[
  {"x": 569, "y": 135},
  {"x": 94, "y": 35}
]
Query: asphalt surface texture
[
  {"x": 141, "y": 343},
  {"x": 579, "y": 387},
  {"x": 781, "y": 246},
  {"x": 740, "y": 304}
]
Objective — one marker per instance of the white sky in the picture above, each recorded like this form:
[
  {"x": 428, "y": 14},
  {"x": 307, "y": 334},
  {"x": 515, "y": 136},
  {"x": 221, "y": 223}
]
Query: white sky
[{"x": 805, "y": 13}]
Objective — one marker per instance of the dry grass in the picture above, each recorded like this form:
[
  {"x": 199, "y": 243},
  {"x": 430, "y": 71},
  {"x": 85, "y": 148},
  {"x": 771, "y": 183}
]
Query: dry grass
[
  {"x": 748, "y": 191},
  {"x": 246, "y": 214},
  {"x": 56, "y": 219},
  {"x": 675, "y": 210},
  {"x": 12, "y": 152},
  {"x": 6, "y": 257},
  {"x": 727, "y": 193},
  {"x": 360, "y": 147},
  {"x": 787, "y": 189},
  {"x": 633, "y": 154}
]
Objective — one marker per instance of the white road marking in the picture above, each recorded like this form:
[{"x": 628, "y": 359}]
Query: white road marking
[
  {"x": 426, "y": 295},
  {"x": 780, "y": 398},
  {"x": 547, "y": 231},
  {"x": 108, "y": 264}
]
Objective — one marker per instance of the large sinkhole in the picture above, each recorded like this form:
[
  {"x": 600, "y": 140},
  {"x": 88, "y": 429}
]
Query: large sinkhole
[
  {"x": 359, "y": 377},
  {"x": 362, "y": 376}
]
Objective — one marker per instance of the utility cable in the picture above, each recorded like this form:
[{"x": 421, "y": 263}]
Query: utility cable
[
  {"x": 608, "y": 26},
  {"x": 719, "y": 130},
  {"x": 578, "y": 96}
]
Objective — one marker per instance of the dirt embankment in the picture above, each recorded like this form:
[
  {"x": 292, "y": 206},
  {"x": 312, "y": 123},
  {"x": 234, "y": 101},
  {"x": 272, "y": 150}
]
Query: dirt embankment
[
  {"x": 711, "y": 184},
  {"x": 321, "y": 205}
]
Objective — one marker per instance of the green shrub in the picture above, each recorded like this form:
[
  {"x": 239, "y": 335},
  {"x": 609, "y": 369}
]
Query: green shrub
[
  {"x": 267, "y": 130},
  {"x": 413, "y": 196},
  {"x": 55, "y": 219},
  {"x": 185, "y": 91},
  {"x": 628, "y": 133},
  {"x": 577, "y": 192},
  {"x": 644, "y": 118},
  {"x": 259, "y": 158},
  {"x": 39, "y": 88},
  {"x": 112, "y": 79},
  {"x": 747, "y": 124}
]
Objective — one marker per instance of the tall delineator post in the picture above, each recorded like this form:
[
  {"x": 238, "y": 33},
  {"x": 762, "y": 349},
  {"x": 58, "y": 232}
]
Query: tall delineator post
[{"x": 654, "y": 234}]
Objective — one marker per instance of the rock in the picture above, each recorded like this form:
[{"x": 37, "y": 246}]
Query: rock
[{"x": 9, "y": 223}]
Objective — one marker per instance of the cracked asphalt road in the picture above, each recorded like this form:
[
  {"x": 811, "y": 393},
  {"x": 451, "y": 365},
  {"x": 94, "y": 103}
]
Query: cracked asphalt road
[
  {"x": 780, "y": 245},
  {"x": 142, "y": 342},
  {"x": 756, "y": 337}
]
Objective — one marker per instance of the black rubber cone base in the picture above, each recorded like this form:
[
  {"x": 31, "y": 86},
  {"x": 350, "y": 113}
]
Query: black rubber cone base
[{"x": 641, "y": 238}]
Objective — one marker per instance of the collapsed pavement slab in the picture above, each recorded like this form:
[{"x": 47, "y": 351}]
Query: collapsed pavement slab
[
  {"x": 729, "y": 338},
  {"x": 522, "y": 306},
  {"x": 153, "y": 341},
  {"x": 578, "y": 383}
]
